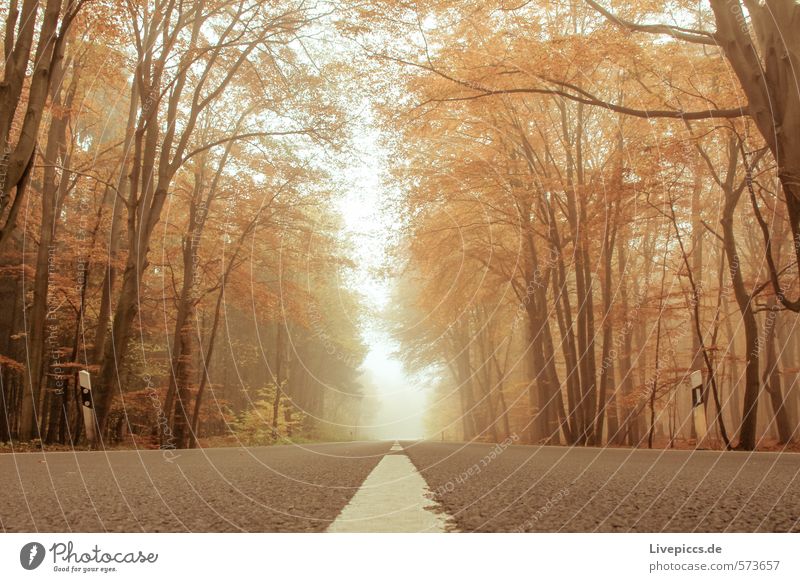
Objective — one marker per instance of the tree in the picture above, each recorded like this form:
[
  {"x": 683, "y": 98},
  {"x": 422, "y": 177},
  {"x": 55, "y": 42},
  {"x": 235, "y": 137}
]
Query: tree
[{"x": 19, "y": 34}]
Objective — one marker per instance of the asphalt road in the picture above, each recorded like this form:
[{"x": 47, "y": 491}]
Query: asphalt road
[
  {"x": 281, "y": 488},
  {"x": 478, "y": 487},
  {"x": 526, "y": 488}
]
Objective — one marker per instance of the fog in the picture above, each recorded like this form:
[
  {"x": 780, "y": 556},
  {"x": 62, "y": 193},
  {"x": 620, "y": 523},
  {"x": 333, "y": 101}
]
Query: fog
[{"x": 393, "y": 406}]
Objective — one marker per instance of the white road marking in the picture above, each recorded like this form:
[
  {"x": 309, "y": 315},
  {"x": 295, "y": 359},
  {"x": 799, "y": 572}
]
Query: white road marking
[{"x": 393, "y": 498}]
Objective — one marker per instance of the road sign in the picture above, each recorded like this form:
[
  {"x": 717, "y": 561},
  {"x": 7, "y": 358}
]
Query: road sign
[
  {"x": 85, "y": 382},
  {"x": 698, "y": 409}
]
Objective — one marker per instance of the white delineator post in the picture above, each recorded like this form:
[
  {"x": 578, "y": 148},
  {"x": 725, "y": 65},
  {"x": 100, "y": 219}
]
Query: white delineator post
[
  {"x": 85, "y": 382},
  {"x": 698, "y": 410}
]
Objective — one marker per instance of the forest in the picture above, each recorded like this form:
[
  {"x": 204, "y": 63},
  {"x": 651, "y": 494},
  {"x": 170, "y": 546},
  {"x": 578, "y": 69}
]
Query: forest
[{"x": 585, "y": 202}]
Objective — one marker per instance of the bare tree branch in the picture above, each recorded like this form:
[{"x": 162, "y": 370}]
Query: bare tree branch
[
  {"x": 676, "y": 32},
  {"x": 574, "y": 93}
]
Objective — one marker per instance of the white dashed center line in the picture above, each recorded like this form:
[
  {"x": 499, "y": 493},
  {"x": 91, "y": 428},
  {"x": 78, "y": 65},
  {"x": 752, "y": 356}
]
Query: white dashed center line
[{"x": 393, "y": 498}]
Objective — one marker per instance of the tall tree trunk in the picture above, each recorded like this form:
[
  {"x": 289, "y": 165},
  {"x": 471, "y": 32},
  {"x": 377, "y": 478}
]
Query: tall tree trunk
[
  {"x": 606, "y": 397},
  {"x": 206, "y": 371},
  {"x": 747, "y": 434},
  {"x": 501, "y": 397},
  {"x": 179, "y": 391},
  {"x": 657, "y": 369},
  {"x": 697, "y": 269},
  {"x": 115, "y": 235},
  {"x": 485, "y": 347},
  {"x": 42, "y": 318},
  {"x": 631, "y": 420},
  {"x": 277, "y": 378},
  {"x": 735, "y": 398},
  {"x": 772, "y": 376},
  {"x": 565, "y": 321}
]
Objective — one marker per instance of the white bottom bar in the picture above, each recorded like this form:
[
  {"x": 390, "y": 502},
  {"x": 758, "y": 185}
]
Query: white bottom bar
[{"x": 406, "y": 558}]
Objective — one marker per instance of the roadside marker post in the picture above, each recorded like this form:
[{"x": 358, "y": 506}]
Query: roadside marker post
[
  {"x": 85, "y": 382},
  {"x": 698, "y": 409}
]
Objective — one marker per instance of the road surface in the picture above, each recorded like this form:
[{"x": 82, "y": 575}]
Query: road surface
[
  {"x": 411, "y": 486},
  {"x": 524, "y": 488}
]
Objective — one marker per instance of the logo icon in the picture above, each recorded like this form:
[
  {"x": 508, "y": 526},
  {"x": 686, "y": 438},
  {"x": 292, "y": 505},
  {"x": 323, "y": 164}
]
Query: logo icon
[{"x": 31, "y": 555}]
